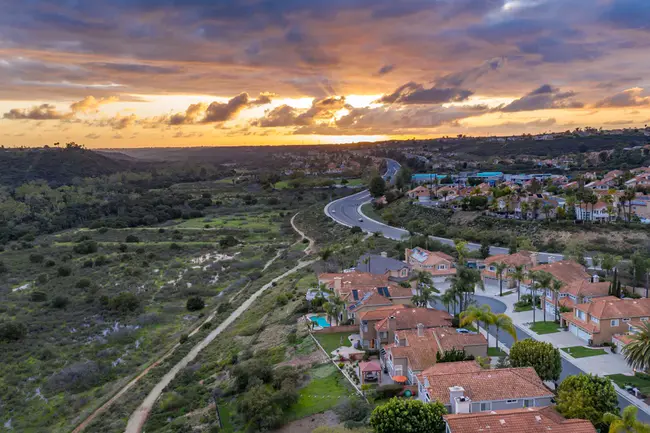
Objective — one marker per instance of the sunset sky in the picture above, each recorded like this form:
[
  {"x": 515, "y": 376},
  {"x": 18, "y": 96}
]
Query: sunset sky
[{"x": 134, "y": 73}]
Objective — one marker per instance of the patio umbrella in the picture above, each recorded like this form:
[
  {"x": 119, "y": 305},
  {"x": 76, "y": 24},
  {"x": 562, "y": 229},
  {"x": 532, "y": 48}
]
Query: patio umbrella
[{"x": 399, "y": 379}]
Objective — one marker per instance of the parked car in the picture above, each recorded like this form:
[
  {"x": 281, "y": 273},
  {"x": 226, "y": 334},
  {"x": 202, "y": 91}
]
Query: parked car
[{"x": 372, "y": 376}]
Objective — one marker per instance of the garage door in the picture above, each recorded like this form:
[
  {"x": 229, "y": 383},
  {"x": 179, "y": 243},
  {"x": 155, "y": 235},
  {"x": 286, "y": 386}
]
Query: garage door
[{"x": 579, "y": 332}]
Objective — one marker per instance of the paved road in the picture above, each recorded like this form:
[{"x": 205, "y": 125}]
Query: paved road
[
  {"x": 347, "y": 211},
  {"x": 568, "y": 369}
]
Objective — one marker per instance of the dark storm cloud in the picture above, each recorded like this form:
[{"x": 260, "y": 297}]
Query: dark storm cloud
[{"x": 544, "y": 97}]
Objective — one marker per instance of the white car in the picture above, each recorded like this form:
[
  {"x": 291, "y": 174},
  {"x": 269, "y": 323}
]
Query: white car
[
  {"x": 333, "y": 210},
  {"x": 360, "y": 220}
]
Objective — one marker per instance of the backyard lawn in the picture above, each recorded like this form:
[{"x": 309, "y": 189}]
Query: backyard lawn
[
  {"x": 495, "y": 351},
  {"x": 583, "y": 352},
  {"x": 545, "y": 327},
  {"x": 639, "y": 380},
  {"x": 519, "y": 309},
  {"x": 326, "y": 389},
  {"x": 333, "y": 341}
]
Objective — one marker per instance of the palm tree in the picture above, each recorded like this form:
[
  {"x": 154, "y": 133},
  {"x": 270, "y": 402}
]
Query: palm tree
[
  {"x": 627, "y": 423},
  {"x": 462, "y": 251},
  {"x": 465, "y": 282},
  {"x": 544, "y": 282},
  {"x": 424, "y": 296},
  {"x": 448, "y": 299},
  {"x": 518, "y": 275},
  {"x": 503, "y": 321},
  {"x": 547, "y": 208},
  {"x": 628, "y": 196},
  {"x": 637, "y": 351},
  {"x": 556, "y": 286},
  {"x": 524, "y": 210},
  {"x": 500, "y": 268},
  {"x": 476, "y": 314}
]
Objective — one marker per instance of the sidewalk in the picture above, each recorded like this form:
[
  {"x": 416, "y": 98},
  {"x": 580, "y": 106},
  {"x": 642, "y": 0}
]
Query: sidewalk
[{"x": 600, "y": 365}]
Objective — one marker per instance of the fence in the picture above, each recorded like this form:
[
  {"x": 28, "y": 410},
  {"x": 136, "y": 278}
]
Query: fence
[{"x": 335, "y": 329}]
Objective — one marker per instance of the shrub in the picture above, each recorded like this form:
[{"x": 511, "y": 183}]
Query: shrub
[
  {"x": 85, "y": 247},
  {"x": 184, "y": 338},
  {"x": 131, "y": 239},
  {"x": 413, "y": 416},
  {"x": 281, "y": 300},
  {"x": 123, "y": 247},
  {"x": 352, "y": 409},
  {"x": 195, "y": 303},
  {"x": 83, "y": 283},
  {"x": 388, "y": 391},
  {"x": 102, "y": 230},
  {"x": 36, "y": 258},
  {"x": 38, "y": 296},
  {"x": 3, "y": 268},
  {"x": 12, "y": 331},
  {"x": 175, "y": 246},
  {"x": 42, "y": 279},
  {"x": 123, "y": 303},
  {"x": 228, "y": 241},
  {"x": 64, "y": 271},
  {"x": 49, "y": 263},
  {"x": 355, "y": 230},
  {"x": 101, "y": 260},
  {"x": 60, "y": 302}
]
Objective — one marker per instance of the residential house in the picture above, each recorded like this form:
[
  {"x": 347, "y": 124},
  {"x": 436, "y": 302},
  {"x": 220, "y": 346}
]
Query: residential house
[
  {"x": 418, "y": 192},
  {"x": 567, "y": 271},
  {"x": 579, "y": 291},
  {"x": 526, "y": 420},
  {"x": 641, "y": 206},
  {"x": 378, "y": 326},
  {"x": 603, "y": 184},
  {"x": 600, "y": 212},
  {"x": 465, "y": 387},
  {"x": 438, "y": 264},
  {"x": 598, "y": 321},
  {"x": 414, "y": 350},
  {"x": 383, "y": 265},
  {"x": 526, "y": 259},
  {"x": 642, "y": 179},
  {"x": 622, "y": 340}
]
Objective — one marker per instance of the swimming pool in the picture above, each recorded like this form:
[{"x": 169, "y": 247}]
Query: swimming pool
[{"x": 320, "y": 321}]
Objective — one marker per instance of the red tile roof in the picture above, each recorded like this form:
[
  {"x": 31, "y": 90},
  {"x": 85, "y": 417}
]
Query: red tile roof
[
  {"x": 614, "y": 308},
  {"x": 409, "y": 318},
  {"x": 526, "y": 420},
  {"x": 449, "y": 339},
  {"x": 486, "y": 385},
  {"x": 380, "y": 312},
  {"x": 520, "y": 258},
  {"x": 566, "y": 271}
]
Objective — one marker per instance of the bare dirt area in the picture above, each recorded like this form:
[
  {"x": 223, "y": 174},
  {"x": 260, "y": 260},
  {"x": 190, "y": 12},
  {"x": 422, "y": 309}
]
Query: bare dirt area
[{"x": 307, "y": 424}]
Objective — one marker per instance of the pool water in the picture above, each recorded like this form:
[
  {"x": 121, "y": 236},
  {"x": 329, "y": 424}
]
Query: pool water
[{"x": 320, "y": 321}]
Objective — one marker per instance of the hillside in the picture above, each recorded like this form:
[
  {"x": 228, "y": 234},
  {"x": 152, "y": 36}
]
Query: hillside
[{"x": 56, "y": 166}]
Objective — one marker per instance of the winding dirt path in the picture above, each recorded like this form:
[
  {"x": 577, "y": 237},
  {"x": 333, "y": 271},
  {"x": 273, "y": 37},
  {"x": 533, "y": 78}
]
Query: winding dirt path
[
  {"x": 312, "y": 244},
  {"x": 139, "y": 417}
]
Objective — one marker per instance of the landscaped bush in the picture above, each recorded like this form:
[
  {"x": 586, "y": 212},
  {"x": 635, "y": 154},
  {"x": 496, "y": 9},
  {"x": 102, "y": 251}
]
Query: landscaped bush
[
  {"x": 195, "y": 303},
  {"x": 353, "y": 409},
  {"x": 85, "y": 247}
]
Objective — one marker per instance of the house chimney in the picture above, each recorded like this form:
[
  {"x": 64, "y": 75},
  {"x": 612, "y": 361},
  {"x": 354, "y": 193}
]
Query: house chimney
[
  {"x": 420, "y": 327},
  {"x": 337, "y": 284},
  {"x": 384, "y": 254},
  {"x": 595, "y": 278},
  {"x": 459, "y": 403},
  {"x": 392, "y": 324},
  {"x": 407, "y": 255}
]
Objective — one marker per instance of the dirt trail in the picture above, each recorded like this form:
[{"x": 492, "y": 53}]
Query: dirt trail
[
  {"x": 312, "y": 244},
  {"x": 139, "y": 417}
]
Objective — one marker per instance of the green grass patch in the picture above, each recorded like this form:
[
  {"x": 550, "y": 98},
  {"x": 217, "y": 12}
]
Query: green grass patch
[
  {"x": 509, "y": 292},
  {"x": 331, "y": 342},
  {"x": 519, "y": 309},
  {"x": 371, "y": 213},
  {"x": 583, "y": 352},
  {"x": 470, "y": 327},
  {"x": 639, "y": 380},
  {"x": 326, "y": 389},
  {"x": 545, "y": 327},
  {"x": 495, "y": 351}
]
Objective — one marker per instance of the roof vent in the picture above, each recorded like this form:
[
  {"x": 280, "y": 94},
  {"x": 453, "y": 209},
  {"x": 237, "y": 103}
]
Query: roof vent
[
  {"x": 502, "y": 421},
  {"x": 538, "y": 418}
]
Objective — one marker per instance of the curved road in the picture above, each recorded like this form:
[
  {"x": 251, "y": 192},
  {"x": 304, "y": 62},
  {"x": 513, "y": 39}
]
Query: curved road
[{"x": 347, "y": 211}]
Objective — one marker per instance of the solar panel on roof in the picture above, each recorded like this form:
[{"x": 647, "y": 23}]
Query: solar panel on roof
[
  {"x": 386, "y": 292},
  {"x": 355, "y": 294}
]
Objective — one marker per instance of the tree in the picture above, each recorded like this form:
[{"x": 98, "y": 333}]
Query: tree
[
  {"x": 257, "y": 407},
  {"x": 477, "y": 314},
  {"x": 609, "y": 262},
  {"x": 413, "y": 416},
  {"x": 575, "y": 251},
  {"x": 556, "y": 286},
  {"x": 512, "y": 247},
  {"x": 377, "y": 186},
  {"x": 424, "y": 296},
  {"x": 543, "y": 357},
  {"x": 627, "y": 423},
  {"x": 485, "y": 249},
  {"x": 462, "y": 251},
  {"x": 586, "y": 396},
  {"x": 542, "y": 282},
  {"x": 503, "y": 321},
  {"x": 500, "y": 269},
  {"x": 12, "y": 331},
  {"x": 195, "y": 303},
  {"x": 637, "y": 352},
  {"x": 518, "y": 275}
]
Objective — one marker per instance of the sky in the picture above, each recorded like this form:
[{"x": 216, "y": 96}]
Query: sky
[{"x": 145, "y": 73}]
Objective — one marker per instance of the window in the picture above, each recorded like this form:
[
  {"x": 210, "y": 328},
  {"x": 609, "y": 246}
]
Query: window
[
  {"x": 528, "y": 403},
  {"x": 493, "y": 269},
  {"x": 511, "y": 401},
  {"x": 384, "y": 334},
  {"x": 441, "y": 267},
  {"x": 485, "y": 406},
  {"x": 614, "y": 322},
  {"x": 595, "y": 319},
  {"x": 644, "y": 319}
]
